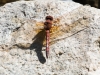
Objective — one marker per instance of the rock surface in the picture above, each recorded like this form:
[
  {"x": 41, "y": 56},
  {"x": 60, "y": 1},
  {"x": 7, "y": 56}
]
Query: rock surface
[{"x": 74, "y": 40}]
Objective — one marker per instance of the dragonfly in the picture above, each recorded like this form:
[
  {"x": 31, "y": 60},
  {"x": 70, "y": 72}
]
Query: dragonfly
[
  {"x": 47, "y": 27},
  {"x": 56, "y": 31}
]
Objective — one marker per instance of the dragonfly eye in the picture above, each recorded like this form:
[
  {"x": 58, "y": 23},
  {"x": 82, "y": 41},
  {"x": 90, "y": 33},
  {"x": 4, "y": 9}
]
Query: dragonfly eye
[{"x": 49, "y": 18}]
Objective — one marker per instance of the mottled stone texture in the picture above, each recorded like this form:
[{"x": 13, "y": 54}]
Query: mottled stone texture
[{"x": 74, "y": 39}]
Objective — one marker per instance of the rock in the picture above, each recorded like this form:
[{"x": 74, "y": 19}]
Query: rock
[{"x": 74, "y": 39}]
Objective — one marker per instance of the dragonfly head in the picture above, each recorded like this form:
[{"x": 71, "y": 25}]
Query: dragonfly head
[
  {"x": 49, "y": 18},
  {"x": 48, "y": 22}
]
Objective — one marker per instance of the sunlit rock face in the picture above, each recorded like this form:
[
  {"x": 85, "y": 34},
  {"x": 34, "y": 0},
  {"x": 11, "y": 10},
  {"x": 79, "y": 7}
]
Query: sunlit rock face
[{"x": 74, "y": 39}]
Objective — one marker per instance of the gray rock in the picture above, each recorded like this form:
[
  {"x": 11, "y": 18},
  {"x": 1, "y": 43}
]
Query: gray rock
[{"x": 74, "y": 39}]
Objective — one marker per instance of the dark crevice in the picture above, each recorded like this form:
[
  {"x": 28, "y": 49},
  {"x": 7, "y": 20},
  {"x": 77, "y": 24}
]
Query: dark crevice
[
  {"x": 99, "y": 43},
  {"x": 60, "y": 53},
  {"x": 24, "y": 13},
  {"x": 16, "y": 29}
]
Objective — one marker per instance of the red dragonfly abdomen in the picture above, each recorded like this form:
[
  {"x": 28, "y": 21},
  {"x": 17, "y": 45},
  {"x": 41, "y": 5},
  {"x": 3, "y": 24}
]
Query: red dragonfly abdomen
[{"x": 47, "y": 42}]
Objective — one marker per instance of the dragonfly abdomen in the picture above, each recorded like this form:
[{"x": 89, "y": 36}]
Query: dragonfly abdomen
[{"x": 47, "y": 27}]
